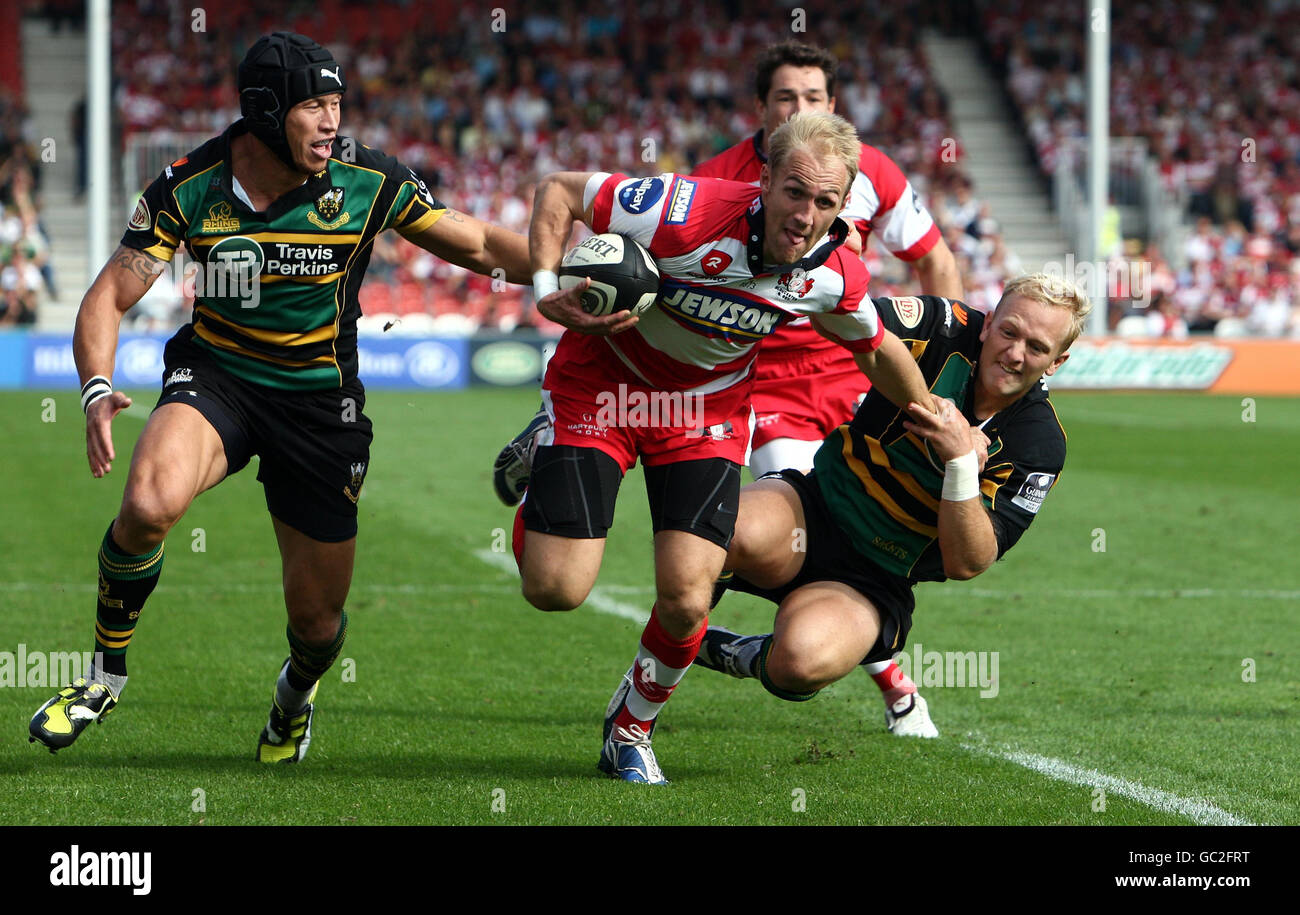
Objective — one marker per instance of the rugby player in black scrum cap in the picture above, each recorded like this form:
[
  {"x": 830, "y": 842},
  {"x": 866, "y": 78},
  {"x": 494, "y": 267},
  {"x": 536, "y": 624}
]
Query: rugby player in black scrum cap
[{"x": 279, "y": 212}]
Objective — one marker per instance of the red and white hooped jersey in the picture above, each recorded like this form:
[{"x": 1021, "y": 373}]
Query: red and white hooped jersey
[
  {"x": 881, "y": 201},
  {"x": 717, "y": 299}
]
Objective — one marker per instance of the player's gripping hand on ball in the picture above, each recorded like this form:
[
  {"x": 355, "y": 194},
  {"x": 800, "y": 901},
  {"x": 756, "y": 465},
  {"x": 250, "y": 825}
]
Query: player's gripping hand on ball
[{"x": 564, "y": 307}]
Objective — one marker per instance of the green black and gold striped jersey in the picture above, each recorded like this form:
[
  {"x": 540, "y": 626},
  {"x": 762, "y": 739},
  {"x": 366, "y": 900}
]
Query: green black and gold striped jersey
[
  {"x": 276, "y": 291},
  {"x": 883, "y": 484}
]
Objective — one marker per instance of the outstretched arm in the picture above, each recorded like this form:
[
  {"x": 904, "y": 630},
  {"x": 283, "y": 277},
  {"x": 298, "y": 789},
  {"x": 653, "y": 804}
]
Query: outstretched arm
[
  {"x": 894, "y": 373},
  {"x": 938, "y": 273},
  {"x": 460, "y": 239}
]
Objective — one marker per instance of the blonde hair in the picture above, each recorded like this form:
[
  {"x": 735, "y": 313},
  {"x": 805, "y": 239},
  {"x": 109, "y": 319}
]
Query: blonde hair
[
  {"x": 1052, "y": 290},
  {"x": 817, "y": 132}
]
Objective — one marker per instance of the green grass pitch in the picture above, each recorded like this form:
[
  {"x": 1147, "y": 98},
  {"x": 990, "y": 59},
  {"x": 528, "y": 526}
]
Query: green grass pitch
[{"x": 1156, "y": 678}]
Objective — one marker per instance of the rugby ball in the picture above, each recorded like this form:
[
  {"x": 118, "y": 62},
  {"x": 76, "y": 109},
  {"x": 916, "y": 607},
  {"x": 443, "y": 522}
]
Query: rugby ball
[{"x": 623, "y": 274}]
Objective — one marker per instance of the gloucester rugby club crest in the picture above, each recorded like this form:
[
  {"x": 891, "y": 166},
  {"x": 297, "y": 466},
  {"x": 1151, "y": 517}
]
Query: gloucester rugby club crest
[{"x": 794, "y": 285}]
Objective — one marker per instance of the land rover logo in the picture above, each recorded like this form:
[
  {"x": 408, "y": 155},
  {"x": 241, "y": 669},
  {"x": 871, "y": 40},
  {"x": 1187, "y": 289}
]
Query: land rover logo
[{"x": 507, "y": 362}]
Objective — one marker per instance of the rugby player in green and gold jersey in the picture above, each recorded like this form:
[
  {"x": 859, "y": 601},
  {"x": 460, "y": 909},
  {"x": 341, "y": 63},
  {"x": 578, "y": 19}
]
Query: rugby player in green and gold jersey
[
  {"x": 279, "y": 213},
  {"x": 901, "y": 496}
]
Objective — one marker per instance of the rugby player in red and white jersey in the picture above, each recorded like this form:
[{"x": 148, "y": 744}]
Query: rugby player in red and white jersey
[
  {"x": 806, "y": 386},
  {"x": 734, "y": 264}
]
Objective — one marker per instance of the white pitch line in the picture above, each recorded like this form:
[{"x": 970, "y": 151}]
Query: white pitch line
[
  {"x": 599, "y": 598},
  {"x": 1203, "y": 813}
]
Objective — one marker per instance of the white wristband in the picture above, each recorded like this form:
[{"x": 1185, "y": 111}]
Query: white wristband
[
  {"x": 94, "y": 389},
  {"x": 961, "y": 478},
  {"x": 544, "y": 283}
]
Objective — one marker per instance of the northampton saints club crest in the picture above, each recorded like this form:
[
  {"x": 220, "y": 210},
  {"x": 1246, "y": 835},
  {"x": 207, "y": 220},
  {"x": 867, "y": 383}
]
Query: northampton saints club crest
[
  {"x": 329, "y": 203},
  {"x": 353, "y": 489}
]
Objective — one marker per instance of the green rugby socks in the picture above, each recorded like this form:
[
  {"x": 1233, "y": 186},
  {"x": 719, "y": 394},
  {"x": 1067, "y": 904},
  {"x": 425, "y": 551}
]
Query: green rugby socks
[{"x": 125, "y": 583}]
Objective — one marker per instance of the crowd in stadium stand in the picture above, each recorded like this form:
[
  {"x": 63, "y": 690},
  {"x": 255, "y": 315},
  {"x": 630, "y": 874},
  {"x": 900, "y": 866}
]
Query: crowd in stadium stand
[
  {"x": 484, "y": 103},
  {"x": 24, "y": 249},
  {"x": 1215, "y": 91},
  {"x": 484, "y": 112}
]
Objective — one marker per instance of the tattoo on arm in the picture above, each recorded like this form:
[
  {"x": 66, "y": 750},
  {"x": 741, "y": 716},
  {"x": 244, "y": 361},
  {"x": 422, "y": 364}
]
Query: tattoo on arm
[
  {"x": 142, "y": 266},
  {"x": 454, "y": 216}
]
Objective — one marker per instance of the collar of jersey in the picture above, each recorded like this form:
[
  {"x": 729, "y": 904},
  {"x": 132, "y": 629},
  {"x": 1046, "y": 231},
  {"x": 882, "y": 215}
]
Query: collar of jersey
[
  {"x": 757, "y": 140},
  {"x": 306, "y": 192},
  {"x": 815, "y": 258}
]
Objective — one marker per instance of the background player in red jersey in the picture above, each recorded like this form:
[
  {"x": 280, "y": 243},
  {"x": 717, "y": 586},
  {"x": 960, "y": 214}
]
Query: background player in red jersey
[
  {"x": 806, "y": 386},
  {"x": 733, "y": 265}
]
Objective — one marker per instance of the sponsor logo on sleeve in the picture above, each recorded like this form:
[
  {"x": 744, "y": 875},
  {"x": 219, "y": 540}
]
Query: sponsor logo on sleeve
[
  {"x": 423, "y": 189},
  {"x": 909, "y": 310},
  {"x": 683, "y": 194},
  {"x": 640, "y": 196},
  {"x": 715, "y": 262},
  {"x": 1033, "y": 491},
  {"x": 140, "y": 220}
]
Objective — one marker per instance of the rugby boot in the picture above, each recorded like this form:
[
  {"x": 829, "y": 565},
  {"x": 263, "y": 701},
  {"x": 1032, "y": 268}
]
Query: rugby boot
[
  {"x": 909, "y": 716},
  {"x": 285, "y": 738},
  {"x": 722, "y": 650},
  {"x": 514, "y": 463},
  {"x": 626, "y": 753},
  {"x": 60, "y": 721}
]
